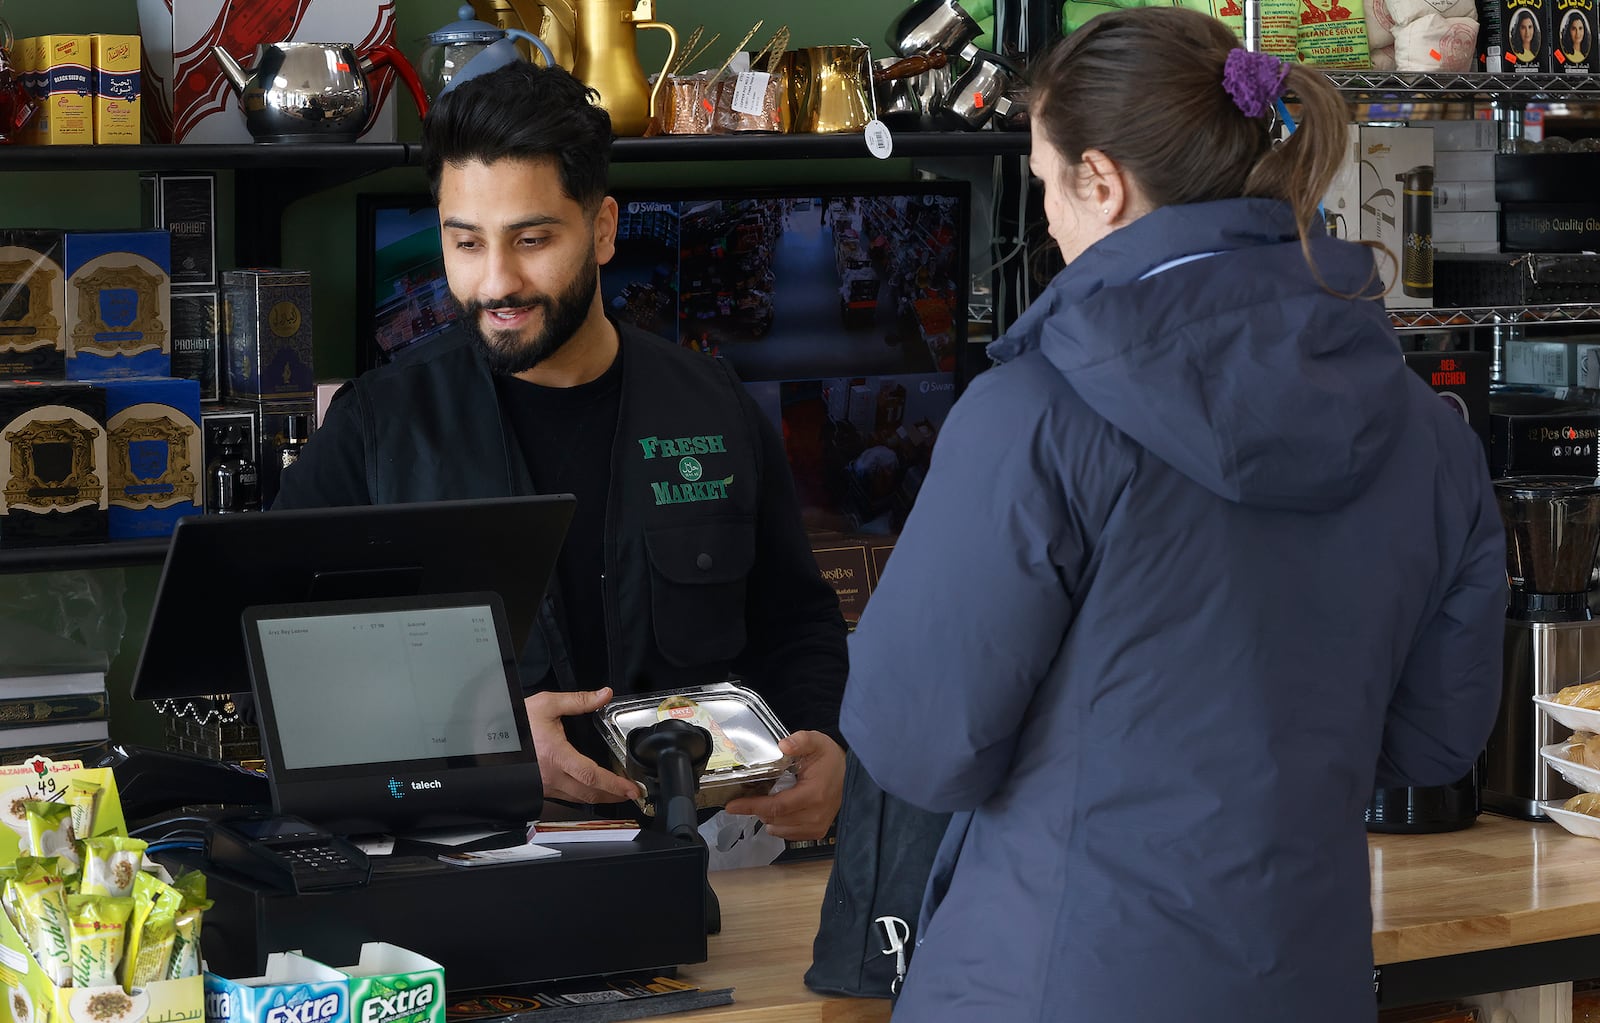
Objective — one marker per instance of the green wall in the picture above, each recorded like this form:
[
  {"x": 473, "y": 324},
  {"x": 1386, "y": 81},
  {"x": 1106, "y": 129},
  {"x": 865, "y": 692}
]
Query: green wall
[{"x": 319, "y": 231}]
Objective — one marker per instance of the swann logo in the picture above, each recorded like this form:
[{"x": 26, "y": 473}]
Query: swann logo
[
  {"x": 378, "y": 1009},
  {"x": 649, "y": 207},
  {"x": 689, "y": 469},
  {"x": 421, "y": 786},
  {"x": 309, "y": 1011},
  {"x": 935, "y": 386},
  {"x": 396, "y": 789}
]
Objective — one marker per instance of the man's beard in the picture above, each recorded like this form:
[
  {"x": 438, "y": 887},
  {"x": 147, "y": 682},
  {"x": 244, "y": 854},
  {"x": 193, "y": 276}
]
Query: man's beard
[{"x": 506, "y": 350}]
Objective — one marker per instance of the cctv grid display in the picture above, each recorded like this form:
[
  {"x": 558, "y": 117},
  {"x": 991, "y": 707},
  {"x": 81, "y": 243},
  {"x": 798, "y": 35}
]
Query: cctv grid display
[{"x": 842, "y": 308}]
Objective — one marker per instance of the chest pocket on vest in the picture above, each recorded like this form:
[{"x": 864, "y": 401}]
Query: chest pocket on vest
[{"x": 697, "y": 587}]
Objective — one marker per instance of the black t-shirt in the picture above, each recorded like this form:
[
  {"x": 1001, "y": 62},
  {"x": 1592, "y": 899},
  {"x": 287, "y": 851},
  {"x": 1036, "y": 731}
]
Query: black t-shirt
[{"x": 566, "y": 435}]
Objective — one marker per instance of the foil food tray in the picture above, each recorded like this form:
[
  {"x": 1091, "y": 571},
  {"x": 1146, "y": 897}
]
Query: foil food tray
[{"x": 742, "y": 715}]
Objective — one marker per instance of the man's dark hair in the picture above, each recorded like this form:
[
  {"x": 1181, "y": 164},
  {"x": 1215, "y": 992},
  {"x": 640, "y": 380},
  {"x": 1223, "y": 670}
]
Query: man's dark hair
[{"x": 522, "y": 112}]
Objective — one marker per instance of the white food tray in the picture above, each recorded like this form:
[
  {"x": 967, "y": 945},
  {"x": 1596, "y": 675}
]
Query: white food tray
[
  {"x": 1577, "y": 823},
  {"x": 1579, "y": 719},
  {"x": 1585, "y": 778}
]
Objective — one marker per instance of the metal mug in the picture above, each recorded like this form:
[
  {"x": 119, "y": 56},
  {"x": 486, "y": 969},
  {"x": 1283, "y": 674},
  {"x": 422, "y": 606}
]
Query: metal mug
[
  {"x": 933, "y": 25},
  {"x": 836, "y": 98},
  {"x": 976, "y": 91},
  {"x": 899, "y": 105}
]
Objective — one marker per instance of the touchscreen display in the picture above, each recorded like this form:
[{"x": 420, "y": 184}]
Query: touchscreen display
[{"x": 385, "y": 686}]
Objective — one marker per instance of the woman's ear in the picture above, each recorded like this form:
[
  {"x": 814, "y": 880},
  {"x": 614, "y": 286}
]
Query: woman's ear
[{"x": 1107, "y": 185}]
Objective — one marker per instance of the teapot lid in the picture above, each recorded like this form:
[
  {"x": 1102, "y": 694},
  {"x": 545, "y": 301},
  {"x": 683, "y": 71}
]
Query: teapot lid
[{"x": 467, "y": 30}]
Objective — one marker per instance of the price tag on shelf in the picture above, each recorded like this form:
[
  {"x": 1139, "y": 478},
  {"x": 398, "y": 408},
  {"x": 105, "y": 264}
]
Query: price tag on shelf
[
  {"x": 750, "y": 93},
  {"x": 880, "y": 142}
]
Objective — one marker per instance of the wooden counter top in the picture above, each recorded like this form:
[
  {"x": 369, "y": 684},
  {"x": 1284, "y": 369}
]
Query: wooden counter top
[{"x": 1499, "y": 884}]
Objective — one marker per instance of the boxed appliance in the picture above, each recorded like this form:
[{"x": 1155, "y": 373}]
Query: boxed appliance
[
  {"x": 32, "y": 304},
  {"x": 267, "y": 323},
  {"x": 197, "y": 341},
  {"x": 116, "y": 89},
  {"x": 119, "y": 304},
  {"x": 185, "y": 206},
  {"x": 1464, "y": 197},
  {"x": 189, "y": 99},
  {"x": 52, "y": 463},
  {"x": 1461, "y": 379},
  {"x": 1383, "y": 193},
  {"x": 1515, "y": 279},
  {"x": 154, "y": 455},
  {"x": 1533, "y": 434}
]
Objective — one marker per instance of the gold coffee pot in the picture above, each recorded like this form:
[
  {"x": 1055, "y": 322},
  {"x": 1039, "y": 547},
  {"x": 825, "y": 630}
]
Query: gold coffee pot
[
  {"x": 552, "y": 22},
  {"x": 607, "y": 57},
  {"x": 832, "y": 90}
]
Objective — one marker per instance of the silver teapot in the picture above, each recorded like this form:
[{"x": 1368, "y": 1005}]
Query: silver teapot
[{"x": 312, "y": 92}]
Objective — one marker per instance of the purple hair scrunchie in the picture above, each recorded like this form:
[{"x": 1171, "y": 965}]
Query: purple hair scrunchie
[{"x": 1253, "y": 80}]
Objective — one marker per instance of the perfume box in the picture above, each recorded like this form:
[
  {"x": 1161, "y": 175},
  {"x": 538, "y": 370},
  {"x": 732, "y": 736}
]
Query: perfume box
[
  {"x": 52, "y": 463},
  {"x": 185, "y": 206},
  {"x": 155, "y": 469},
  {"x": 1525, "y": 36},
  {"x": 1461, "y": 380},
  {"x": 32, "y": 305},
  {"x": 215, "y": 422},
  {"x": 1373, "y": 199},
  {"x": 119, "y": 304},
  {"x": 197, "y": 340},
  {"x": 115, "y": 61},
  {"x": 282, "y": 428},
  {"x": 267, "y": 317}
]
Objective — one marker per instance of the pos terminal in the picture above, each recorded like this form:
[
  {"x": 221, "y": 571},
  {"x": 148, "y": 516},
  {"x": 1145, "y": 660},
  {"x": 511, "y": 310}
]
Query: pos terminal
[{"x": 380, "y": 646}]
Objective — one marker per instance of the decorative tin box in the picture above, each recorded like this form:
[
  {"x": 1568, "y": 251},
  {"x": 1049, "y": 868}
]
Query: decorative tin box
[
  {"x": 52, "y": 463},
  {"x": 268, "y": 328},
  {"x": 32, "y": 305},
  {"x": 119, "y": 304},
  {"x": 153, "y": 450}
]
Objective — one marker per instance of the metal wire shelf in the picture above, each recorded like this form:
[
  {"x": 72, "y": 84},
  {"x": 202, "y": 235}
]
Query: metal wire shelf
[
  {"x": 1568, "y": 313},
  {"x": 1401, "y": 86}
]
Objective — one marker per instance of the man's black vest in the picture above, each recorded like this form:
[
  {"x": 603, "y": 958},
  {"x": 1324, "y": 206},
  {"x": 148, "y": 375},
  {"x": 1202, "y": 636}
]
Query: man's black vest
[{"x": 686, "y": 477}]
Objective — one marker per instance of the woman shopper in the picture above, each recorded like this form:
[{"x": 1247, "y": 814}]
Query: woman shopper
[{"x": 1195, "y": 567}]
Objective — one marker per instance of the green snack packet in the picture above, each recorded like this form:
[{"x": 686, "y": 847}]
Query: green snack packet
[
  {"x": 50, "y": 829},
  {"x": 185, "y": 960},
  {"x": 151, "y": 931},
  {"x": 44, "y": 904},
  {"x": 83, "y": 796},
  {"x": 110, "y": 865},
  {"x": 99, "y": 930}
]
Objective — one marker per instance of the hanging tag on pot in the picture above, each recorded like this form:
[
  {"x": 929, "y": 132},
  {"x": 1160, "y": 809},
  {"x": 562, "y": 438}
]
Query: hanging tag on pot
[{"x": 880, "y": 142}]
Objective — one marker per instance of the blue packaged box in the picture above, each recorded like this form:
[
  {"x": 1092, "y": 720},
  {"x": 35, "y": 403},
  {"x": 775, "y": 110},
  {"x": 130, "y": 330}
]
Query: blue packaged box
[
  {"x": 293, "y": 989},
  {"x": 119, "y": 304},
  {"x": 154, "y": 455},
  {"x": 268, "y": 314}
]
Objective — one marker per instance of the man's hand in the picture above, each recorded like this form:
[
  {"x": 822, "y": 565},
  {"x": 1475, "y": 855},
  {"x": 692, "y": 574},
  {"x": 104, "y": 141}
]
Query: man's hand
[
  {"x": 566, "y": 773},
  {"x": 807, "y": 810}
]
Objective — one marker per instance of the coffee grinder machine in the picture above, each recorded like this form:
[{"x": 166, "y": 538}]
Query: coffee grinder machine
[{"x": 1552, "y": 639}]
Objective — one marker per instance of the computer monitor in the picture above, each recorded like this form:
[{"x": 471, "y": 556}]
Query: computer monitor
[
  {"x": 842, "y": 307},
  {"x": 219, "y": 565},
  {"x": 392, "y": 715}
]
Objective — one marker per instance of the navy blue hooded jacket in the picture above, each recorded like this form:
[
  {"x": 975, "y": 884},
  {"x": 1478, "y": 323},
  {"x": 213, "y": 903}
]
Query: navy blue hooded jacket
[{"x": 1200, "y": 563}]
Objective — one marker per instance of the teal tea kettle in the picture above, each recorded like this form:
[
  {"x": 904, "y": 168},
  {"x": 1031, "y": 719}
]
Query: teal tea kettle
[{"x": 467, "y": 48}]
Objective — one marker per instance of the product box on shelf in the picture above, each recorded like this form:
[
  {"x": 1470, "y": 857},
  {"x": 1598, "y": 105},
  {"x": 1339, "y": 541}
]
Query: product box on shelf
[
  {"x": 1464, "y": 197},
  {"x": 845, "y": 565},
  {"x": 879, "y": 553},
  {"x": 1375, "y": 197},
  {"x": 1461, "y": 379},
  {"x": 1465, "y": 227},
  {"x": 188, "y": 98},
  {"x": 1525, "y": 36},
  {"x": 219, "y": 425},
  {"x": 1543, "y": 363},
  {"x": 282, "y": 429},
  {"x": 116, "y": 89},
  {"x": 63, "y": 85},
  {"x": 197, "y": 340},
  {"x": 52, "y": 463},
  {"x": 33, "y": 302},
  {"x": 156, "y": 469},
  {"x": 119, "y": 304},
  {"x": 185, "y": 206},
  {"x": 1572, "y": 47},
  {"x": 267, "y": 322},
  {"x": 388, "y": 984},
  {"x": 27, "y": 994}
]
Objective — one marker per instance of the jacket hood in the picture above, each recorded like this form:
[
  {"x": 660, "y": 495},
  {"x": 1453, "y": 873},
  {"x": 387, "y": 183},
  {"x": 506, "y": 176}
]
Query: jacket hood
[{"x": 1242, "y": 370}]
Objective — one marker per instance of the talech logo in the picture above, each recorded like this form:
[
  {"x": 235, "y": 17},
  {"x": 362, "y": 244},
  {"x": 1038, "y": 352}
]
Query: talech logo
[{"x": 396, "y": 789}]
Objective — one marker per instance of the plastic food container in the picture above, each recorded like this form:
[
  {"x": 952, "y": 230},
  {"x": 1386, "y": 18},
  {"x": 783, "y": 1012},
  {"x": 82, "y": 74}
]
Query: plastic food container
[
  {"x": 743, "y": 717},
  {"x": 1585, "y": 778},
  {"x": 1579, "y": 719},
  {"x": 1577, "y": 823}
]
